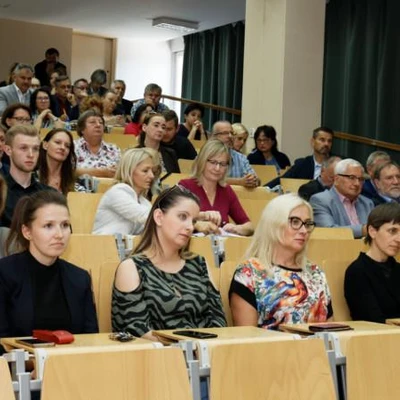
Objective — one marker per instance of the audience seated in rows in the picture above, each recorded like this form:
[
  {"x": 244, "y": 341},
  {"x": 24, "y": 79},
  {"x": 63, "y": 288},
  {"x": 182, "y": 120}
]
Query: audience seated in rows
[
  {"x": 180, "y": 144},
  {"x": 193, "y": 127},
  {"x": 19, "y": 91},
  {"x": 95, "y": 157},
  {"x": 97, "y": 80},
  {"x": 209, "y": 184},
  {"x": 240, "y": 136},
  {"x": 124, "y": 106},
  {"x": 371, "y": 281},
  {"x": 42, "y": 106},
  {"x": 57, "y": 161},
  {"x": 162, "y": 285},
  {"x": 240, "y": 172},
  {"x": 310, "y": 166},
  {"x": 135, "y": 127},
  {"x": 111, "y": 115},
  {"x": 375, "y": 159},
  {"x": 16, "y": 114},
  {"x": 38, "y": 289},
  {"x": 323, "y": 182},
  {"x": 266, "y": 151},
  {"x": 22, "y": 146},
  {"x": 343, "y": 204},
  {"x": 65, "y": 104},
  {"x": 152, "y": 95},
  {"x": 124, "y": 207},
  {"x": 153, "y": 130},
  {"x": 50, "y": 64},
  {"x": 276, "y": 283}
]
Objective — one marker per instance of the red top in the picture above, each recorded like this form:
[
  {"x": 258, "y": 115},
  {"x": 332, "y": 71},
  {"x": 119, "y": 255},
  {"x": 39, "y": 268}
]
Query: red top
[
  {"x": 133, "y": 128},
  {"x": 226, "y": 201}
]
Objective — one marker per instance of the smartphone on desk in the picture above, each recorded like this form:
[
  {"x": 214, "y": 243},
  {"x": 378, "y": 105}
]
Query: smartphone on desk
[
  {"x": 196, "y": 334},
  {"x": 33, "y": 342},
  {"x": 329, "y": 327}
]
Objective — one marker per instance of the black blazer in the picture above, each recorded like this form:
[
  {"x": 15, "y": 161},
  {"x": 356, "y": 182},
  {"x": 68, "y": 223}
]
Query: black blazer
[
  {"x": 311, "y": 188},
  {"x": 257, "y": 158},
  {"x": 170, "y": 159},
  {"x": 16, "y": 297},
  {"x": 303, "y": 168}
]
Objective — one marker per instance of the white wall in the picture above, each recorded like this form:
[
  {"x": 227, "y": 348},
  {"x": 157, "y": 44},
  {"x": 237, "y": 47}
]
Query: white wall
[{"x": 140, "y": 63}]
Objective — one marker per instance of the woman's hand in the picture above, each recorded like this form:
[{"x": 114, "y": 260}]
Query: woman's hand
[
  {"x": 231, "y": 228},
  {"x": 206, "y": 227},
  {"x": 211, "y": 216}
]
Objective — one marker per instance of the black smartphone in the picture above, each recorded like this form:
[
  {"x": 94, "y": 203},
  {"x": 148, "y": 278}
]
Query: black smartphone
[
  {"x": 196, "y": 334},
  {"x": 33, "y": 342}
]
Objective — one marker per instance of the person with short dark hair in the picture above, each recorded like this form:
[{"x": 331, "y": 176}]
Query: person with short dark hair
[
  {"x": 310, "y": 166},
  {"x": 371, "y": 281},
  {"x": 42, "y": 107},
  {"x": 22, "y": 146},
  {"x": 180, "y": 144},
  {"x": 65, "y": 105},
  {"x": 97, "y": 81},
  {"x": 266, "y": 150},
  {"x": 193, "y": 127},
  {"x": 124, "y": 106},
  {"x": 135, "y": 127},
  {"x": 38, "y": 290},
  {"x": 45, "y": 68},
  {"x": 16, "y": 114},
  {"x": 80, "y": 89}
]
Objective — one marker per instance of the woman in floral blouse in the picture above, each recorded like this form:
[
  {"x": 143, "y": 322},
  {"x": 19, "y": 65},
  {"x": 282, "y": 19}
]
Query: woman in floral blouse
[
  {"x": 276, "y": 283},
  {"x": 94, "y": 156}
]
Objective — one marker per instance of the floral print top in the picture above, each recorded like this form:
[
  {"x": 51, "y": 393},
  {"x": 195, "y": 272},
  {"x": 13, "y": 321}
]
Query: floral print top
[
  {"x": 107, "y": 157},
  {"x": 283, "y": 295}
]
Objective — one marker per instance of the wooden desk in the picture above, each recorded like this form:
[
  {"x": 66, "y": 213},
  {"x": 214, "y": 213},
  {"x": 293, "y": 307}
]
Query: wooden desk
[
  {"x": 84, "y": 343},
  {"x": 360, "y": 328},
  {"x": 393, "y": 321}
]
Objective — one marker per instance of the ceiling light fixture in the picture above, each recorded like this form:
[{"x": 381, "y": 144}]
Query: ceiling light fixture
[{"x": 173, "y": 24}]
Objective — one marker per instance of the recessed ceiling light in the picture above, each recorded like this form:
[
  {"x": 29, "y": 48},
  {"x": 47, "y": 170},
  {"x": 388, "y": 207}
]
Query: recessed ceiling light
[{"x": 178, "y": 25}]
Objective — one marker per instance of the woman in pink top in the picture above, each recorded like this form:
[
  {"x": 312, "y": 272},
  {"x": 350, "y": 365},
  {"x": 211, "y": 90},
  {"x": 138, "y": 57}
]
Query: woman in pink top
[{"x": 216, "y": 197}]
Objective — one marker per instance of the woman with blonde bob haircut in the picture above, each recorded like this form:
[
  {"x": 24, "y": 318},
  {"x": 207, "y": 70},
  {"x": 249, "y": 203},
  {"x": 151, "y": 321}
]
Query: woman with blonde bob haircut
[
  {"x": 218, "y": 201},
  {"x": 276, "y": 283},
  {"x": 124, "y": 208}
]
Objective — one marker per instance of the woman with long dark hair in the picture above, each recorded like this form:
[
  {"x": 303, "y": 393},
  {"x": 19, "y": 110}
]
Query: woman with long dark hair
[{"x": 57, "y": 160}]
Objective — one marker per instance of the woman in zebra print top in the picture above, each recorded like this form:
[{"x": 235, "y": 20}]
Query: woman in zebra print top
[{"x": 163, "y": 286}]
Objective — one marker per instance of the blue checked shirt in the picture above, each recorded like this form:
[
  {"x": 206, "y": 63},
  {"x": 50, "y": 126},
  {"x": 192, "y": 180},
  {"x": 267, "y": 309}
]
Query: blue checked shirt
[{"x": 239, "y": 166}]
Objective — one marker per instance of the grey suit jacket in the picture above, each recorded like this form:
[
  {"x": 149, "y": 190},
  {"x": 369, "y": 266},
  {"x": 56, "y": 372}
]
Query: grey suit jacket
[
  {"x": 330, "y": 212},
  {"x": 8, "y": 96}
]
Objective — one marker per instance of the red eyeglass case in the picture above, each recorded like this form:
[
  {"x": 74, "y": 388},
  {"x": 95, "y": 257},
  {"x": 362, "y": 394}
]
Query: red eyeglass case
[{"x": 58, "y": 337}]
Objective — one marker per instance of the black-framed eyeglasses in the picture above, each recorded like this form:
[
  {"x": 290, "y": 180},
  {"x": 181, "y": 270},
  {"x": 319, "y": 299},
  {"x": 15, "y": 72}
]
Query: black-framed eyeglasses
[
  {"x": 296, "y": 223},
  {"x": 353, "y": 178},
  {"x": 222, "y": 164}
]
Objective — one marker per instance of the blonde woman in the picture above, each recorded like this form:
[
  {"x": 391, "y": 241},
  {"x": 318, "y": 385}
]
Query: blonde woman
[
  {"x": 277, "y": 284},
  {"x": 124, "y": 208},
  {"x": 216, "y": 197}
]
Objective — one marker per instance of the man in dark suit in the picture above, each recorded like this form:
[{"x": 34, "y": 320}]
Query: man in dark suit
[
  {"x": 387, "y": 182},
  {"x": 124, "y": 106},
  {"x": 323, "y": 182},
  {"x": 19, "y": 91},
  {"x": 343, "y": 205},
  {"x": 65, "y": 104},
  {"x": 310, "y": 166},
  {"x": 50, "y": 64}
]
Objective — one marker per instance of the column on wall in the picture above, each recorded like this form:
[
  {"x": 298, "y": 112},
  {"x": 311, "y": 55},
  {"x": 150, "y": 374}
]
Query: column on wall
[{"x": 283, "y": 67}]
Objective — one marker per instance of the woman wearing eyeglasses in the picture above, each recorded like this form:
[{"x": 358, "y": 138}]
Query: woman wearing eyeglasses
[
  {"x": 16, "y": 114},
  {"x": 218, "y": 201},
  {"x": 42, "y": 106},
  {"x": 276, "y": 283},
  {"x": 266, "y": 150},
  {"x": 371, "y": 281}
]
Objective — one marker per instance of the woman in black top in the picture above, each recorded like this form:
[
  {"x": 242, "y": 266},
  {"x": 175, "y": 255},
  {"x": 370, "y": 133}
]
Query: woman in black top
[
  {"x": 37, "y": 289},
  {"x": 266, "y": 150},
  {"x": 371, "y": 282}
]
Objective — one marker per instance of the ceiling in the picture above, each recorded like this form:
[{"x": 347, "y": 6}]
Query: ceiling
[{"x": 124, "y": 18}]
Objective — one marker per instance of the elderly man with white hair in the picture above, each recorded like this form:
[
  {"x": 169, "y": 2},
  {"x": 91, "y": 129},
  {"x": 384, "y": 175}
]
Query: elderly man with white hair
[{"x": 343, "y": 205}]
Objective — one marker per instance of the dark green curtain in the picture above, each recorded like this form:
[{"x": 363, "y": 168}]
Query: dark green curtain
[
  {"x": 213, "y": 69},
  {"x": 361, "y": 92}
]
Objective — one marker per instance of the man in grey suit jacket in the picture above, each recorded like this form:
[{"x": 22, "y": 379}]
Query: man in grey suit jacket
[
  {"x": 19, "y": 91},
  {"x": 343, "y": 205}
]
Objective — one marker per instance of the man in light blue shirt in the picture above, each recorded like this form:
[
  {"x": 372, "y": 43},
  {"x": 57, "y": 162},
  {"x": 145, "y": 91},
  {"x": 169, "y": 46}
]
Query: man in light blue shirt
[{"x": 240, "y": 171}]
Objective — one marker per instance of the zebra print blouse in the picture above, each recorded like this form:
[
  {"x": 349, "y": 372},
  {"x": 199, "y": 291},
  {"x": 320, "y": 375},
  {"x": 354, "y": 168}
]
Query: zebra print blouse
[{"x": 186, "y": 299}]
